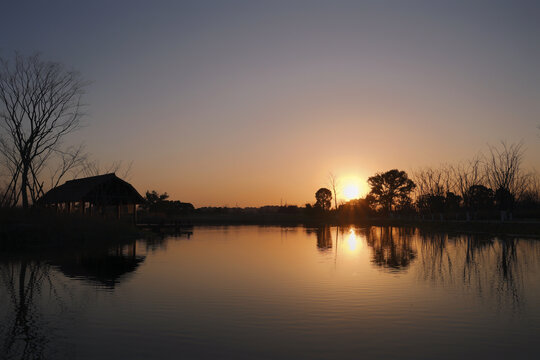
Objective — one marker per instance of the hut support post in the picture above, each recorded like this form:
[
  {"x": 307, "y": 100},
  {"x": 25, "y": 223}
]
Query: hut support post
[{"x": 135, "y": 213}]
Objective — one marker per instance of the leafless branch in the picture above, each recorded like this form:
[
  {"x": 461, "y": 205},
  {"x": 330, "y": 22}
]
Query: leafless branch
[
  {"x": 40, "y": 103},
  {"x": 503, "y": 168},
  {"x": 333, "y": 182}
]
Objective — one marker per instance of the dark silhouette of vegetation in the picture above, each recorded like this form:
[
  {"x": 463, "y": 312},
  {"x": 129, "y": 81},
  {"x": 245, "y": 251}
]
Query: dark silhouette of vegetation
[
  {"x": 355, "y": 209},
  {"x": 41, "y": 228},
  {"x": 479, "y": 198},
  {"x": 40, "y": 104},
  {"x": 333, "y": 181},
  {"x": 390, "y": 190},
  {"x": 504, "y": 173},
  {"x": 158, "y": 203},
  {"x": 323, "y": 198},
  {"x": 465, "y": 176},
  {"x": 480, "y": 187}
]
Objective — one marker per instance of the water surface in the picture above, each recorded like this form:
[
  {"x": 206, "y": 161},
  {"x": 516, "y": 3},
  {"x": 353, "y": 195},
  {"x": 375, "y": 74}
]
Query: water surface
[{"x": 270, "y": 292}]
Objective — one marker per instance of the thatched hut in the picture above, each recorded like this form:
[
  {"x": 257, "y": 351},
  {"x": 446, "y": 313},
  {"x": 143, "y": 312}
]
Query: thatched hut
[{"x": 105, "y": 195}]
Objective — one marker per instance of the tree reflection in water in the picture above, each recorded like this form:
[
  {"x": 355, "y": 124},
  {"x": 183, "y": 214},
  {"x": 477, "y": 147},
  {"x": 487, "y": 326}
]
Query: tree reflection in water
[
  {"x": 494, "y": 267},
  {"x": 392, "y": 247},
  {"x": 34, "y": 290},
  {"x": 324, "y": 238},
  {"x": 23, "y": 330}
]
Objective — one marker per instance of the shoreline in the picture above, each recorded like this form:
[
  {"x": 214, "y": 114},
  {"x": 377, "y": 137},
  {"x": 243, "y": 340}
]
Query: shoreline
[
  {"x": 37, "y": 231},
  {"x": 530, "y": 228}
]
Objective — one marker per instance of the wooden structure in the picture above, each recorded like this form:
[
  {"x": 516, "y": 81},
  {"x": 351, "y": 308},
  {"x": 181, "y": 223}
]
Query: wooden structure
[{"x": 106, "y": 195}]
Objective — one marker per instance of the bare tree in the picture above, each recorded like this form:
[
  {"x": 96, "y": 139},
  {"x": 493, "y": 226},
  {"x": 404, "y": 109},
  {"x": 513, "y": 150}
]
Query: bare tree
[
  {"x": 94, "y": 168},
  {"x": 333, "y": 181},
  {"x": 505, "y": 175},
  {"x": 71, "y": 160},
  {"x": 531, "y": 195},
  {"x": 40, "y": 103},
  {"x": 432, "y": 186},
  {"x": 466, "y": 175},
  {"x": 435, "y": 181},
  {"x": 503, "y": 168}
]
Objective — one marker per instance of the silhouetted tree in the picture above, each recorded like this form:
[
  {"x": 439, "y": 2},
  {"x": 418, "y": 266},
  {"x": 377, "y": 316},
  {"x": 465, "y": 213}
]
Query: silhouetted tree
[
  {"x": 423, "y": 204},
  {"x": 334, "y": 184},
  {"x": 438, "y": 203},
  {"x": 431, "y": 204},
  {"x": 504, "y": 173},
  {"x": 155, "y": 202},
  {"x": 323, "y": 198},
  {"x": 434, "y": 181},
  {"x": 40, "y": 103},
  {"x": 435, "y": 189},
  {"x": 530, "y": 199},
  {"x": 479, "y": 198},
  {"x": 467, "y": 175},
  {"x": 504, "y": 199},
  {"x": 452, "y": 202},
  {"x": 152, "y": 198},
  {"x": 390, "y": 189}
]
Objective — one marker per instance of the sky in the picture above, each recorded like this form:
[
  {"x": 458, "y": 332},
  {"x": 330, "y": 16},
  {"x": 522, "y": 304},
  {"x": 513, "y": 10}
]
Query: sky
[{"x": 249, "y": 103}]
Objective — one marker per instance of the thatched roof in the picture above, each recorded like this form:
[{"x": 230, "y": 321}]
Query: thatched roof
[{"x": 105, "y": 189}]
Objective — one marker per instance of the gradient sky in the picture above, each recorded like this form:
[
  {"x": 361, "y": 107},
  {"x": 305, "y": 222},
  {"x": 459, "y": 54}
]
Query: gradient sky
[{"x": 254, "y": 102}]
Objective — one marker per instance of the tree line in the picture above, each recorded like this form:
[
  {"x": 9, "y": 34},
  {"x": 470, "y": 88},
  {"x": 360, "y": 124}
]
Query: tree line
[
  {"x": 493, "y": 183},
  {"x": 41, "y": 104}
]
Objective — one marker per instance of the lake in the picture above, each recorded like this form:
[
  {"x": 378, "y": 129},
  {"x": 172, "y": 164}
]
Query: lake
[{"x": 249, "y": 292}]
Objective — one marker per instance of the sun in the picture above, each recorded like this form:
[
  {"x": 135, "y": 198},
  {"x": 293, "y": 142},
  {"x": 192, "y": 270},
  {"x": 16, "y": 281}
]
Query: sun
[{"x": 351, "y": 191}]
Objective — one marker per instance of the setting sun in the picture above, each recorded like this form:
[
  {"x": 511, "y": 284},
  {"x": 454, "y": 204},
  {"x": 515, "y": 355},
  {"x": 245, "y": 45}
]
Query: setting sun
[{"x": 351, "y": 191}]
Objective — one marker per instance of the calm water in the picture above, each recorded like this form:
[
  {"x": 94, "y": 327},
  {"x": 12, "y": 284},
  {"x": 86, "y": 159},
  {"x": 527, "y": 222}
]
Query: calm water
[{"x": 270, "y": 292}]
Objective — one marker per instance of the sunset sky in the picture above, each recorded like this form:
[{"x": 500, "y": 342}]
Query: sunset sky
[{"x": 253, "y": 102}]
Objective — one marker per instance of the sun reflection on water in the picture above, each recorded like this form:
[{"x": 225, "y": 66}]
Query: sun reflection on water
[{"x": 352, "y": 241}]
